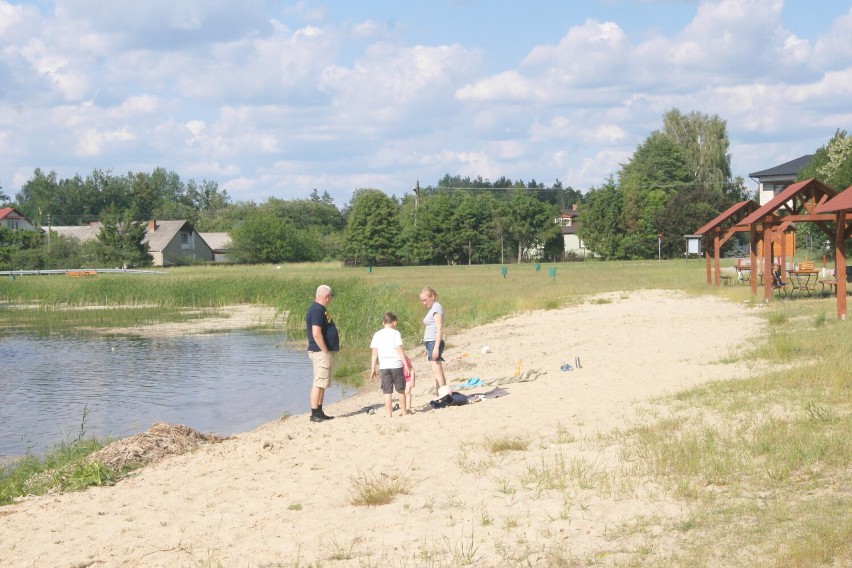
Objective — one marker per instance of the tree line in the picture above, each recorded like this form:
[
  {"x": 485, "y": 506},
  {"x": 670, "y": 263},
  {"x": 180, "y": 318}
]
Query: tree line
[{"x": 676, "y": 180}]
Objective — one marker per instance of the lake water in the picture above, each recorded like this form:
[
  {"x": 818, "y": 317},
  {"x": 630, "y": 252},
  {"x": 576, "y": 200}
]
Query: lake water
[{"x": 220, "y": 383}]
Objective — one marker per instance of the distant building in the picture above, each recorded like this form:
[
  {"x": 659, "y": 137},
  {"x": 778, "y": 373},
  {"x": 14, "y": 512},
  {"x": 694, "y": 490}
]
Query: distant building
[
  {"x": 219, "y": 243},
  {"x": 773, "y": 181},
  {"x": 176, "y": 242},
  {"x": 169, "y": 242},
  {"x": 14, "y": 221},
  {"x": 81, "y": 233},
  {"x": 573, "y": 246}
]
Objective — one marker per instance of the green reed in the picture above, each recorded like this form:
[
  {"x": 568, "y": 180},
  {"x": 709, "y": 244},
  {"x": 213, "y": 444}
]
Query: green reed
[{"x": 66, "y": 467}]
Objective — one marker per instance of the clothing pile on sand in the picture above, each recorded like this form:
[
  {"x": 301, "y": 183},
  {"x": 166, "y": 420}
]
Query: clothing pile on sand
[{"x": 528, "y": 375}]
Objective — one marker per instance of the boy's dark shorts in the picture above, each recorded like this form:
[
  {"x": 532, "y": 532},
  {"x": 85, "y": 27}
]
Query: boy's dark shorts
[{"x": 392, "y": 378}]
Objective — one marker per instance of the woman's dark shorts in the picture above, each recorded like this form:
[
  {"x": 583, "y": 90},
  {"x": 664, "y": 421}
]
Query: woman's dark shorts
[{"x": 430, "y": 346}]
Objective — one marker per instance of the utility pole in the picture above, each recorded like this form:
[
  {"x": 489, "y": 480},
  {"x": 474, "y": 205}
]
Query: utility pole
[{"x": 416, "y": 200}]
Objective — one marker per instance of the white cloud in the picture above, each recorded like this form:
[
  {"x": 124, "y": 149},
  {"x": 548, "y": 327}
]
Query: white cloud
[
  {"x": 586, "y": 55},
  {"x": 92, "y": 141},
  {"x": 509, "y": 149},
  {"x": 17, "y": 22},
  {"x": 166, "y": 24},
  {"x": 196, "y": 127},
  {"x": 137, "y": 105},
  {"x": 391, "y": 84},
  {"x": 507, "y": 86},
  {"x": 606, "y": 134},
  {"x": 833, "y": 50}
]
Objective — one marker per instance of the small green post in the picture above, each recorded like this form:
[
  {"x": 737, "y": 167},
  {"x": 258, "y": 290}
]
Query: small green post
[
  {"x": 369, "y": 269},
  {"x": 537, "y": 266},
  {"x": 504, "y": 271},
  {"x": 552, "y": 273}
]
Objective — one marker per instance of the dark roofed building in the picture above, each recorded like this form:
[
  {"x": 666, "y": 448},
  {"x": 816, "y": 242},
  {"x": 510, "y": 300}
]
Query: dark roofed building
[{"x": 773, "y": 181}]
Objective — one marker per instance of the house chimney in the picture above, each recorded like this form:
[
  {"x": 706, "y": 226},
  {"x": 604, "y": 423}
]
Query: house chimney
[{"x": 152, "y": 226}]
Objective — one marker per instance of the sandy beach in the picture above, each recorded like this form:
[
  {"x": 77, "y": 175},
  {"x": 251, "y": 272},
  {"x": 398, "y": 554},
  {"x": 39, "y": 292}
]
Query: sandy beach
[{"x": 281, "y": 494}]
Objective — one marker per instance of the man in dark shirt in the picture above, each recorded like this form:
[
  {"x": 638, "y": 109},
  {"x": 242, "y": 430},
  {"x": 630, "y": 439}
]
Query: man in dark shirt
[{"x": 323, "y": 340}]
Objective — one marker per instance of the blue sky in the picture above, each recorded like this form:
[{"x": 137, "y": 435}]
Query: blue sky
[{"x": 272, "y": 98}]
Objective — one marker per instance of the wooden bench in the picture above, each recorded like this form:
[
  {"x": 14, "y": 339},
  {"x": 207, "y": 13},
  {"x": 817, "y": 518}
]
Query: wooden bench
[
  {"x": 781, "y": 288},
  {"x": 81, "y": 273},
  {"x": 726, "y": 279},
  {"x": 830, "y": 284}
]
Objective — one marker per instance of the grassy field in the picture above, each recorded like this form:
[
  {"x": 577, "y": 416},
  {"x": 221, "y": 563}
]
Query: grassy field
[
  {"x": 474, "y": 294},
  {"x": 762, "y": 464}
]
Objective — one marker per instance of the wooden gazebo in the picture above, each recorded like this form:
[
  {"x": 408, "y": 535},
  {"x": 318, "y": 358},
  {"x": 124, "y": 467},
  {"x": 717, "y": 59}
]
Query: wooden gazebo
[
  {"x": 717, "y": 232},
  {"x": 840, "y": 207},
  {"x": 798, "y": 202}
]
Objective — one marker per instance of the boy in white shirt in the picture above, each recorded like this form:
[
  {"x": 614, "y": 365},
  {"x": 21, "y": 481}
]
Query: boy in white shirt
[{"x": 391, "y": 360}]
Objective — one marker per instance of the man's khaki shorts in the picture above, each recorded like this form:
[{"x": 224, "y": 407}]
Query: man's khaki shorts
[{"x": 323, "y": 367}]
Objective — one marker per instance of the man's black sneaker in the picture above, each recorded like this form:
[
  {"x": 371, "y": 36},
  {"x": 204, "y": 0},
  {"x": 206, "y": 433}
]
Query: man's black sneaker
[
  {"x": 318, "y": 418},
  {"x": 326, "y": 416}
]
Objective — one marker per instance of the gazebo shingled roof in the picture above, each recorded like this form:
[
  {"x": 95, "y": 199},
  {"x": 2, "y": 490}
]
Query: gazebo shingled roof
[
  {"x": 840, "y": 202},
  {"x": 727, "y": 214}
]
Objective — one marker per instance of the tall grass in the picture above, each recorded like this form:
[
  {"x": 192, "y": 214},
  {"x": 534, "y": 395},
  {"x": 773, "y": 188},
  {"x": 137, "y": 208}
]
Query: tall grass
[{"x": 472, "y": 294}]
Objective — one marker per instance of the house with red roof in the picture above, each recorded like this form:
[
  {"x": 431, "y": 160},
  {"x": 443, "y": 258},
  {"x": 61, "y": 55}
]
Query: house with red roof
[{"x": 14, "y": 221}]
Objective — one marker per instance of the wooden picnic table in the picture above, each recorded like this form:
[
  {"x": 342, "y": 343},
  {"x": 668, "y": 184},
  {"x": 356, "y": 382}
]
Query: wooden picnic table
[{"x": 803, "y": 281}]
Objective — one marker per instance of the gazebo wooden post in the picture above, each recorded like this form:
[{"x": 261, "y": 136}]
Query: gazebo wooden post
[
  {"x": 782, "y": 236},
  {"x": 767, "y": 263},
  {"x": 752, "y": 258},
  {"x": 840, "y": 263},
  {"x": 707, "y": 265},
  {"x": 717, "y": 252}
]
